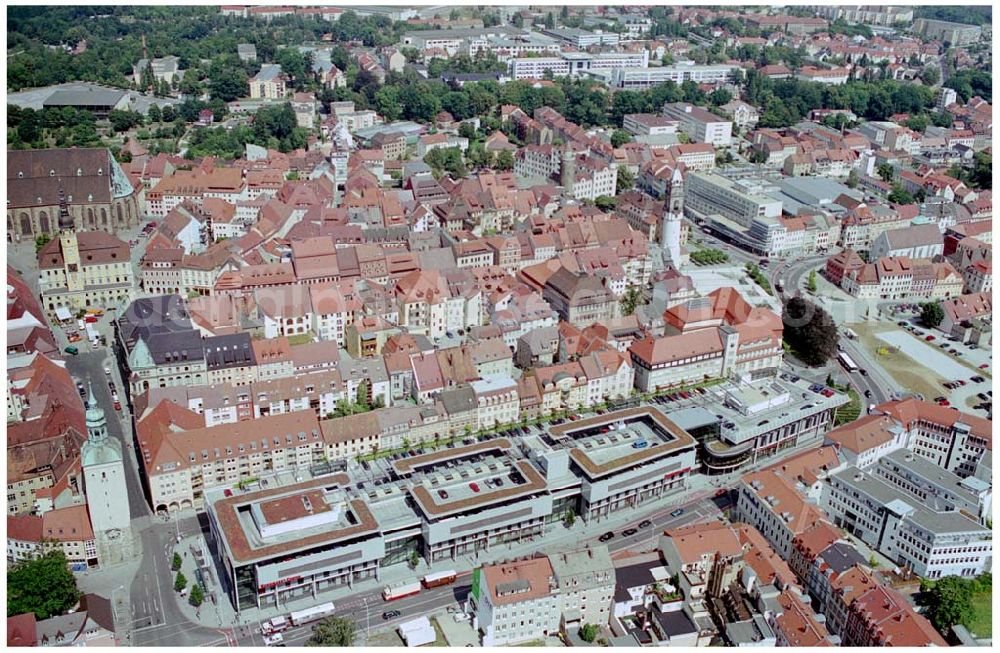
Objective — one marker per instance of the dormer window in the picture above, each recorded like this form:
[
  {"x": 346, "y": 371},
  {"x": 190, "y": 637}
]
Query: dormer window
[
  {"x": 20, "y": 175},
  {"x": 79, "y": 172},
  {"x": 100, "y": 172},
  {"x": 52, "y": 173}
]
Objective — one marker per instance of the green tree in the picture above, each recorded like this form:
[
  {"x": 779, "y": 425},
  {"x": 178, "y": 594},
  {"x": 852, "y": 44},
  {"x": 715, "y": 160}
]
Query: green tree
[
  {"x": 333, "y": 631},
  {"x": 853, "y": 179},
  {"x": 175, "y": 562},
  {"x": 295, "y": 64},
  {"x": 180, "y": 582},
  {"x": 811, "y": 284},
  {"x": 810, "y": 331},
  {"x": 197, "y": 596},
  {"x": 42, "y": 585},
  {"x": 123, "y": 120},
  {"x": 505, "y": 160},
  {"x": 589, "y": 632},
  {"x": 154, "y": 115},
  {"x": 626, "y": 180},
  {"x": 605, "y": 203},
  {"x": 631, "y": 300},
  {"x": 948, "y": 602},
  {"x": 41, "y": 241},
  {"x": 619, "y": 137},
  {"x": 900, "y": 195},
  {"x": 720, "y": 96},
  {"x": 227, "y": 82},
  {"x": 569, "y": 518},
  {"x": 414, "y": 559},
  {"x": 931, "y": 314},
  {"x": 550, "y": 21},
  {"x": 886, "y": 172}
]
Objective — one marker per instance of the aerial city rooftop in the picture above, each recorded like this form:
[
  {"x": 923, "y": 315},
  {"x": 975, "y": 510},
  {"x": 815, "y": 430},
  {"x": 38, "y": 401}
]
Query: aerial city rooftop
[{"x": 508, "y": 325}]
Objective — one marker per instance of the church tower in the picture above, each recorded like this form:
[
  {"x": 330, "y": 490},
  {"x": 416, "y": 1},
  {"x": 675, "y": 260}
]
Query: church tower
[
  {"x": 105, "y": 488},
  {"x": 673, "y": 206},
  {"x": 69, "y": 246},
  {"x": 568, "y": 169}
]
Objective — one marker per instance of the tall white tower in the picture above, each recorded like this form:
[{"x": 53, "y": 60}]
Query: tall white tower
[
  {"x": 670, "y": 226},
  {"x": 105, "y": 488}
]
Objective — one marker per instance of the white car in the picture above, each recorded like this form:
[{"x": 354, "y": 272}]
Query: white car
[{"x": 273, "y": 639}]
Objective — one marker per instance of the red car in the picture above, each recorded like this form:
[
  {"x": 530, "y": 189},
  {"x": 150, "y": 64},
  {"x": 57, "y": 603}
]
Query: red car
[
  {"x": 929, "y": 338},
  {"x": 90, "y": 319},
  {"x": 984, "y": 366},
  {"x": 944, "y": 402},
  {"x": 474, "y": 487},
  {"x": 118, "y": 405},
  {"x": 720, "y": 492}
]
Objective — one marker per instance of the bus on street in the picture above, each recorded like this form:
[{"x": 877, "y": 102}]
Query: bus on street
[{"x": 847, "y": 362}]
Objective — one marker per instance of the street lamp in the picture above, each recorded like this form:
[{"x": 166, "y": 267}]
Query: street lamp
[
  {"x": 114, "y": 607},
  {"x": 364, "y": 600}
]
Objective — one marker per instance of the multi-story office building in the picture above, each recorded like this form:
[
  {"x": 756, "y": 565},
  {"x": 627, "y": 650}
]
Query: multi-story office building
[
  {"x": 895, "y": 520},
  {"x": 574, "y": 64},
  {"x": 741, "y": 201},
  {"x": 958, "y": 34},
  {"x": 581, "y": 38},
  {"x": 473, "y": 498},
  {"x": 956, "y": 441},
  {"x": 701, "y": 125},
  {"x": 869, "y": 14},
  {"x": 624, "y": 459},
  {"x": 645, "y": 77},
  {"x": 284, "y": 543},
  {"x": 935, "y": 487}
]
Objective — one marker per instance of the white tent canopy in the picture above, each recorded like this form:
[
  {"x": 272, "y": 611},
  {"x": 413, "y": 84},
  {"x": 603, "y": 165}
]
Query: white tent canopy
[{"x": 417, "y": 632}]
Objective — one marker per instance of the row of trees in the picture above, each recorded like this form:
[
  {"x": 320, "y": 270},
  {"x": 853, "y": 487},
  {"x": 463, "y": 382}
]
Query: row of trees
[{"x": 114, "y": 41}]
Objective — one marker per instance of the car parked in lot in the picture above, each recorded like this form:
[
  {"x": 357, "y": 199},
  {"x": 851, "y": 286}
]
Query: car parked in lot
[{"x": 442, "y": 494}]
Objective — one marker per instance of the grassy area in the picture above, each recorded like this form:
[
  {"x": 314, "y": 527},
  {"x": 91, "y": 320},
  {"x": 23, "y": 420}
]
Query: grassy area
[
  {"x": 753, "y": 271},
  {"x": 439, "y": 640},
  {"x": 908, "y": 373},
  {"x": 849, "y": 412},
  {"x": 300, "y": 339},
  {"x": 981, "y": 623}
]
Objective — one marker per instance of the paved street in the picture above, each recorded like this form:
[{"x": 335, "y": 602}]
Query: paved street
[{"x": 88, "y": 367}]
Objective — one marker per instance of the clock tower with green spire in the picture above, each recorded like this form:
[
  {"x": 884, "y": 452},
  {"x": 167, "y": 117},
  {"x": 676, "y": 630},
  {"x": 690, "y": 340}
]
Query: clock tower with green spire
[{"x": 105, "y": 488}]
